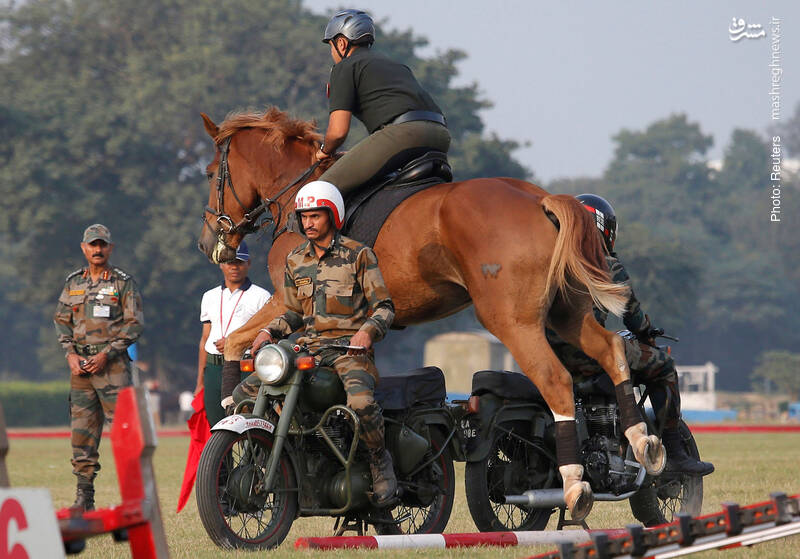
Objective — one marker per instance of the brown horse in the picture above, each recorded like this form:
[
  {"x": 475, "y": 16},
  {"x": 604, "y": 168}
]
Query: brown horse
[{"x": 490, "y": 242}]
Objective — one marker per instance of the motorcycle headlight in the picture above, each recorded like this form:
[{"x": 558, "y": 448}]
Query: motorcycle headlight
[{"x": 272, "y": 364}]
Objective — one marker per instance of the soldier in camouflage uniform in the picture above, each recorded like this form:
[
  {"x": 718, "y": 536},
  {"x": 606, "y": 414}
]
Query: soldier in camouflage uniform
[
  {"x": 99, "y": 314},
  {"x": 334, "y": 290},
  {"x": 650, "y": 365}
]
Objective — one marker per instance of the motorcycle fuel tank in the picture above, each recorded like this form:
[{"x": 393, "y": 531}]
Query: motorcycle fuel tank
[{"x": 322, "y": 389}]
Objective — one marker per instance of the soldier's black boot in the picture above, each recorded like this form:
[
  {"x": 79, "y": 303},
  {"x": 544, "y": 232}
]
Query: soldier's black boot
[
  {"x": 384, "y": 482},
  {"x": 85, "y": 496},
  {"x": 678, "y": 461}
]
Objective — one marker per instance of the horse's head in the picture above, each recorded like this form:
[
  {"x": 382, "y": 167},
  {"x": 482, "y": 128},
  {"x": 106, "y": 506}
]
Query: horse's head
[{"x": 256, "y": 154}]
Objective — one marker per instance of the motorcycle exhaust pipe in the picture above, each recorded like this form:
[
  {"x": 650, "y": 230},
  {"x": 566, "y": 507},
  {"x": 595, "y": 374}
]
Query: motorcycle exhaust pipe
[{"x": 538, "y": 499}]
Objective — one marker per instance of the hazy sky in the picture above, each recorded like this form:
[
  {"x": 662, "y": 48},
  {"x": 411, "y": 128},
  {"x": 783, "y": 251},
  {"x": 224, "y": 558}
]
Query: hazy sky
[{"x": 566, "y": 76}]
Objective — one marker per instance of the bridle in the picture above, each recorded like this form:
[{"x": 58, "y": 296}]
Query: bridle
[{"x": 249, "y": 222}]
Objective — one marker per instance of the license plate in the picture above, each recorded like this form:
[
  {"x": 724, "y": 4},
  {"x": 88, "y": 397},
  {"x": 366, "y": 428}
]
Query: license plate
[{"x": 468, "y": 431}]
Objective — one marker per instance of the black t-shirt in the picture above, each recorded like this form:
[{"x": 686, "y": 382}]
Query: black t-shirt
[{"x": 375, "y": 89}]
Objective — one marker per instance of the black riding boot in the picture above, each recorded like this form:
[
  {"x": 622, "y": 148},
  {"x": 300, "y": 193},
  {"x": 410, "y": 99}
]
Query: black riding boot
[
  {"x": 678, "y": 461},
  {"x": 384, "y": 482},
  {"x": 84, "y": 499}
]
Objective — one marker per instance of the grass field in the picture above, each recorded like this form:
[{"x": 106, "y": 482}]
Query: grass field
[{"x": 749, "y": 467}]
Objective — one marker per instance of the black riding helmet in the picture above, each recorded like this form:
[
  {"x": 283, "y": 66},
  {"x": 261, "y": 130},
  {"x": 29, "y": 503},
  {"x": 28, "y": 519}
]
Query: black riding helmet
[
  {"x": 355, "y": 25},
  {"x": 604, "y": 216}
]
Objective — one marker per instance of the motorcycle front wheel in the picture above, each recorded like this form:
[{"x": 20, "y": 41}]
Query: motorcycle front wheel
[
  {"x": 512, "y": 467},
  {"x": 235, "y": 510},
  {"x": 668, "y": 494},
  {"x": 427, "y": 499}
]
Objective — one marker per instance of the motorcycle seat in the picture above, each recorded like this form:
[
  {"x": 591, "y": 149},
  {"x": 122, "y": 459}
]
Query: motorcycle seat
[
  {"x": 505, "y": 384},
  {"x": 423, "y": 386}
]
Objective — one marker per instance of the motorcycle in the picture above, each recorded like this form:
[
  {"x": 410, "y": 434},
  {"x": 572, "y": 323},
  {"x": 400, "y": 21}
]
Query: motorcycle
[
  {"x": 296, "y": 451},
  {"x": 512, "y": 480}
]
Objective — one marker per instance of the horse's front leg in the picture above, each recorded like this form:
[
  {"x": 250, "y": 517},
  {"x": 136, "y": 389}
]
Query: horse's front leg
[
  {"x": 240, "y": 339},
  {"x": 608, "y": 349}
]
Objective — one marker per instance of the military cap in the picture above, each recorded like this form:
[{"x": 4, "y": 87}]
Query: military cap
[{"x": 97, "y": 232}]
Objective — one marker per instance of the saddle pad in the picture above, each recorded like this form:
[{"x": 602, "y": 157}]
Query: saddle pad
[{"x": 367, "y": 211}]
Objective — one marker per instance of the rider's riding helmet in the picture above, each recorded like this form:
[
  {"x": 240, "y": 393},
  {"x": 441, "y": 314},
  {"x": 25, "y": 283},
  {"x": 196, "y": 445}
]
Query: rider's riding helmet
[
  {"x": 604, "y": 217},
  {"x": 355, "y": 25},
  {"x": 318, "y": 195}
]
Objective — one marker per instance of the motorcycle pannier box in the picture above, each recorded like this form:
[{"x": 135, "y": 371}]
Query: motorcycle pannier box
[{"x": 419, "y": 386}]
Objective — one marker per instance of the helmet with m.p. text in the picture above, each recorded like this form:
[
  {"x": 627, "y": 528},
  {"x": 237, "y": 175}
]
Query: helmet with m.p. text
[
  {"x": 318, "y": 195},
  {"x": 604, "y": 217}
]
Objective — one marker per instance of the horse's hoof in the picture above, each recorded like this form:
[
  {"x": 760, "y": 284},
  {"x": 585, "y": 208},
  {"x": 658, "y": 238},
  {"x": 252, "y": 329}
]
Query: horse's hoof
[
  {"x": 656, "y": 456},
  {"x": 577, "y": 494},
  {"x": 647, "y": 450},
  {"x": 579, "y": 499}
]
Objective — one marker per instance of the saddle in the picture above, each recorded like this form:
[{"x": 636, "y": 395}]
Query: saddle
[{"x": 370, "y": 206}]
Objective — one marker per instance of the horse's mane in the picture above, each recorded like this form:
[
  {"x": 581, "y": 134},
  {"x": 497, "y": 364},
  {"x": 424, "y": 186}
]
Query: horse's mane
[{"x": 277, "y": 124}]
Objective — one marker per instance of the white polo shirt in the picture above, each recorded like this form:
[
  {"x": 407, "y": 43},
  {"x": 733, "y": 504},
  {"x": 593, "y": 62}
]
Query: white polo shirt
[{"x": 228, "y": 311}]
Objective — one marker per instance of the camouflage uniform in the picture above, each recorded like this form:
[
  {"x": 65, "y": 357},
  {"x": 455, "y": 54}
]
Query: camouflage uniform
[
  {"x": 91, "y": 318},
  {"x": 649, "y": 365},
  {"x": 332, "y": 298}
]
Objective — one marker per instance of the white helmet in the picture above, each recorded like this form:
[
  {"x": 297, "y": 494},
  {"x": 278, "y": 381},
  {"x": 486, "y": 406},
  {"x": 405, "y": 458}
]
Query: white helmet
[{"x": 320, "y": 195}]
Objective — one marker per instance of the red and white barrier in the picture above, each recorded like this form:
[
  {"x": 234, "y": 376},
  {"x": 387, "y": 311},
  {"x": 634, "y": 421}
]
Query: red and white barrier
[
  {"x": 407, "y": 541},
  {"x": 734, "y": 526},
  {"x": 138, "y": 517}
]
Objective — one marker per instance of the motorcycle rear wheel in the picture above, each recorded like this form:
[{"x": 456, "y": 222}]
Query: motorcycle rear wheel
[
  {"x": 439, "y": 482},
  {"x": 668, "y": 494},
  {"x": 511, "y": 467},
  {"x": 235, "y": 514}
]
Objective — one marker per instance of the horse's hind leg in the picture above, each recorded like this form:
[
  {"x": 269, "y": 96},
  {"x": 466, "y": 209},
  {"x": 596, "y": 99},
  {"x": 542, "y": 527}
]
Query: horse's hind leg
[
  {"x": 529, "y": 347},
  {"x": 576, "y": 324}
]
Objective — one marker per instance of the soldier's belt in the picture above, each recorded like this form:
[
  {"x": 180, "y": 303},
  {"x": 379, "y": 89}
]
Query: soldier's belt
[
  {"x": 89, "y": 349},
  {"x": 215, "y": 359}
]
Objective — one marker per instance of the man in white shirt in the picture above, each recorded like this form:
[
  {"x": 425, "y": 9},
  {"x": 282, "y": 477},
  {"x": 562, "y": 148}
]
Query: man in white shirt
[{"x": 222, "y": 310}]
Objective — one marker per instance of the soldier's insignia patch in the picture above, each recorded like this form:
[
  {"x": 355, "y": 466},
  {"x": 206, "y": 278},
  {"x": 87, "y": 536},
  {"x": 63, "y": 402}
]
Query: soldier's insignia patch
[
  {"x": 300, "y": 282},
  {"x": 77, "y": 291}
]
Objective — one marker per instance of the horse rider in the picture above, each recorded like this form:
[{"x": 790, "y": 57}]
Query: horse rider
[
  {"x": 649, "y": 364},
  {"x": 334, "y": 291},
  {"x": 402, "y": 119}
]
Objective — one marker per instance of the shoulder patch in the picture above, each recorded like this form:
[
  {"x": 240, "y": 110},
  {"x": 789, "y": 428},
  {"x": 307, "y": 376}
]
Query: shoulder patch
[
  {"x": 77, "y": 272},
  {"x": 122, "y": 274},
  {"x": 299, "y": 249},
  {"x": 352, "y": 244}
]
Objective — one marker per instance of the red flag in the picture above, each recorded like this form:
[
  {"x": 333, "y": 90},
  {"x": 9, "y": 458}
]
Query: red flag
[{"x": 200, "y": 432}]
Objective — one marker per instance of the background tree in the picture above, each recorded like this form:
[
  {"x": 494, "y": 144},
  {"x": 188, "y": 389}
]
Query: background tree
[
  {"x": 100, "y": 116},
  {"x": 781, "y": 369}
]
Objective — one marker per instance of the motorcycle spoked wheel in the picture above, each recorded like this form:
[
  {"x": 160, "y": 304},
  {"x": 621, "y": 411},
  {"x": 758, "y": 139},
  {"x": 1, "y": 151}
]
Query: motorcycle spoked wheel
[
  {"x": 235, "y": 514},
  {"x": 428, "y": 511},
  {"x": 511, "y": 468},
  {"x": 669, "y": 494}
]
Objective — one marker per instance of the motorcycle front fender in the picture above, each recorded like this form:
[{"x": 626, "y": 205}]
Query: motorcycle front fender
[{"x": 239, "y": 423}]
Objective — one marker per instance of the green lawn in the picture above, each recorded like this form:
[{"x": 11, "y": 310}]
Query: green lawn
[{"x": 749, "y": 467}]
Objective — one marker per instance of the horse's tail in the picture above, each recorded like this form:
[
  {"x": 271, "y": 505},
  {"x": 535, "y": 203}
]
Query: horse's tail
[{"x": 579, "y": 256}]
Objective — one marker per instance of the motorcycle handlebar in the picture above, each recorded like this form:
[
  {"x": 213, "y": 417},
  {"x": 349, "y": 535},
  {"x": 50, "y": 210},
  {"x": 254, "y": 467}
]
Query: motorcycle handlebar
[{"x": 659, "y": 333}]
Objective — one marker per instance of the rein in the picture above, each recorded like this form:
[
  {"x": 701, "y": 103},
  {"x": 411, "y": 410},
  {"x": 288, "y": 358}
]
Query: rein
[{"x": 248, "y": 222}]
